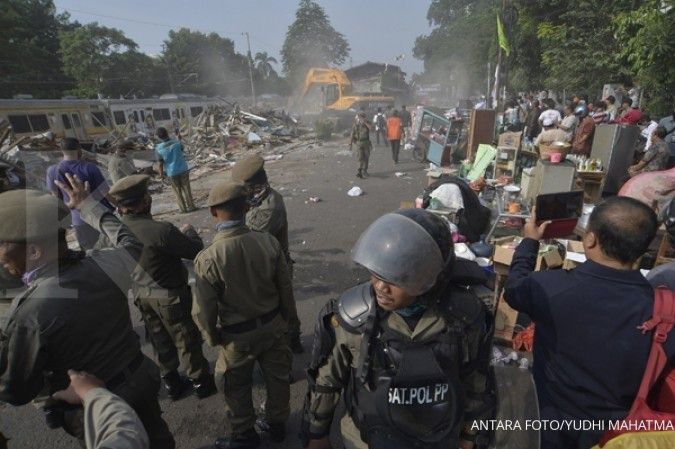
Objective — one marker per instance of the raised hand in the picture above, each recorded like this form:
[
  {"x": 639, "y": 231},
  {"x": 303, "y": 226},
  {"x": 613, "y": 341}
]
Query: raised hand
[{"x": 76, "y": 190}]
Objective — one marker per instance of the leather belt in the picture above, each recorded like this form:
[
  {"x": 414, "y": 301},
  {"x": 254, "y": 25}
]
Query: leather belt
[
  {"x": 249, "y": 325},
  {"x": 121, "y": 377}
]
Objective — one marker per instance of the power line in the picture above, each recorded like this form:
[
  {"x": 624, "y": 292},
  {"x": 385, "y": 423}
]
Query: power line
[{"x": 146, "y": 22}]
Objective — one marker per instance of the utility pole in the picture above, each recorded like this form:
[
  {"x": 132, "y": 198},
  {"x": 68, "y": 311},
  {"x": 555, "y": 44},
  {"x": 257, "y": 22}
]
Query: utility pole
[
  {"x": 168, "y": 69},
  {"x": 250, "y": 65}
]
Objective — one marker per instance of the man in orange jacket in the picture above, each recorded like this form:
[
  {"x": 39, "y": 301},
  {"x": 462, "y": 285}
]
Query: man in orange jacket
[{"x": 394, "y": 132}]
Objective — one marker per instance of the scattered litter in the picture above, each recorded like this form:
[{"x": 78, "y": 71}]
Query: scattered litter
[
  {"x": 273, "y": 157},
  {"x": 254, "y": 138},
  {"x": 314, "y": 199},
  {"x": 343, "y": 153},
  {"x": 400, "y": 174},
  {"x": 355, "y": 191},
  {"x": 500, "y": 358}
]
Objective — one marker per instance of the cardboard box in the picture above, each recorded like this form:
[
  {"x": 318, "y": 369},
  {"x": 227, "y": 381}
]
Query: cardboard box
[
  {"x": 510, "y": 140},
  {"x": 574, "y": 254},
  {"x": 505, "y": 321},
  {"x": 504, "y": 255}
]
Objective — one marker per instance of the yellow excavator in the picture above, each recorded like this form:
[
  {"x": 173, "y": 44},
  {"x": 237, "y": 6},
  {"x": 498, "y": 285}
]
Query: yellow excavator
[{"x": 336, "y": 92}]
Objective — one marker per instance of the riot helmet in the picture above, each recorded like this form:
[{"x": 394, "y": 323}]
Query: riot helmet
[
  {"x": 408, "y": 248},
  {"x": 581, "y": 110}
]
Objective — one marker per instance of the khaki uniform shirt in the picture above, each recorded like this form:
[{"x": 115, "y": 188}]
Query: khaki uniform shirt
[
  {"x": 271, "y": 217},
  {"x": 241, "y": 276},
  {"x": 360, "y": 133},
  {"x": 120, "y": 167},
  {"x": 75, "y": 314},
  {"x": 164, "y": 247},
  {"x": 333, "y": 377},
  {"x": 110, "y": 423}
]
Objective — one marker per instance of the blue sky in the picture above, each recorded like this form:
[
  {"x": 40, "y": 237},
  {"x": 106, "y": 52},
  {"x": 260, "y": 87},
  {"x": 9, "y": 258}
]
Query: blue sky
[{"x": 377, "y": 30}]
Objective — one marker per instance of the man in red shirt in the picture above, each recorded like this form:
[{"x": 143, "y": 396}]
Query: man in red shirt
[
  {"x": 631, "y": 117},
  {"x": 583, "y": 136},
  {"x": 394, "y": 132}
]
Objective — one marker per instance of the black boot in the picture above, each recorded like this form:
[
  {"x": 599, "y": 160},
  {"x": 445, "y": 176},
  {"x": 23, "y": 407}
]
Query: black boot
[
  {"x": 203, "y": 387},
  {"x": 277, "y": 431},
  {"x": 175, "y": 384},
  {"x": 247, "y": 440}
]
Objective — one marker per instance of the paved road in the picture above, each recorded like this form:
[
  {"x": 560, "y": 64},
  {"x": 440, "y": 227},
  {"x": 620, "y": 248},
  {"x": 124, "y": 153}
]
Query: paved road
[{"x": 321, "y": 236}]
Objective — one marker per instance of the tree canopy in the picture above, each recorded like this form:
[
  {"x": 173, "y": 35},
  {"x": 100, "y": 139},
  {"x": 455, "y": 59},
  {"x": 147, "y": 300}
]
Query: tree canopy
[
  {"x": 311, "y": 41},
  {"x": 29, "y": 59},
  {"x": 572, "y": 45},
  {"x": 204, "y": 63}
]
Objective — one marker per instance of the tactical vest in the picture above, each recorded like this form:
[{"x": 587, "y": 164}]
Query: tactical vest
[
  {"x": 411, "y": 396},
  {"x": 405, "y": 394}
]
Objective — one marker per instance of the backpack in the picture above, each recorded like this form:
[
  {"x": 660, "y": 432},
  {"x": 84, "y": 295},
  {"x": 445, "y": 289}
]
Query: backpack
[
  {"x": 651, "y": 420},
  {"x": 381, "y": 122}
]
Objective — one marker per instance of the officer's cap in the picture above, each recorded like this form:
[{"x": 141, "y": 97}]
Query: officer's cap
[
  {"x": 27, "y": 215},
  {"x": 130, "y": 188},
  {"x": 226, "y": 191},
  {"x": 247, "y": 168}
]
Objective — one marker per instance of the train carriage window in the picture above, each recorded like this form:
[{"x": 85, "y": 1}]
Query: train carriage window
[
  {"x": 76, "y": 120},
  {"x": 98, "y": 118},
  {"x": 161, "y": 114},
  {"x": 143, "y": 116},
  {"x": 66, "y": 121},
  {"x": 196, "y": 110},
  {"x": 20, "y": 123},
  {"x": 39, "y": 122},
  {"x": 120, "y": 119}
]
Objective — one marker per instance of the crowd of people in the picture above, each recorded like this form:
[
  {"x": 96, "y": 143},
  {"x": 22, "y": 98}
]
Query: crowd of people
[
  {"x": 409, "y": 350},
  {"x": 543, "y": 121}
]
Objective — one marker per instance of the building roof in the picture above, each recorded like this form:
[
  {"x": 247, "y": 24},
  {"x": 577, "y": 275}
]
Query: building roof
[{"x": 370, "y": 69}]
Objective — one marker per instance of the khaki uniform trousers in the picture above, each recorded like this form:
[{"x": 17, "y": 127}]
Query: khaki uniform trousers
[
  {"x": 351, "y": 437},
  {"x": 139, "y": 390},
  {"x": 267, "y": 345},
  {"x": 181, "y": 188},
  {"x": 363, "y": 155},
  {"x": 171, "y": 331}
]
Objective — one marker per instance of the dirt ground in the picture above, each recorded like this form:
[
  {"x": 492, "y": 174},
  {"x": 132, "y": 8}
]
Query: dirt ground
[{"x": 321, "y": 237}]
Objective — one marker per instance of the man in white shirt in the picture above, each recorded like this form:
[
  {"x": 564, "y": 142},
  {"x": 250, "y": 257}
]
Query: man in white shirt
[{"x": 550, "y": 112}]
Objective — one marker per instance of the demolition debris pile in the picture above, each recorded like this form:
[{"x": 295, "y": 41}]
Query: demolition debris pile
[
  {"x": 220, "y": 131},
  {"x": 221, "y": 135}
]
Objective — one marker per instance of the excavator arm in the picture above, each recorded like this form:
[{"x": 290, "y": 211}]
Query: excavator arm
[{"x": 320, "y": 76}]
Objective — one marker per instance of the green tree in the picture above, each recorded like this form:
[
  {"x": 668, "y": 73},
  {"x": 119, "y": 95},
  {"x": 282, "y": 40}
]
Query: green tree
[
  {"x": 263, "y": 64},
  {"x": 93, "y": 55},
  {"x": 579, "y": 51},
  {"x": 206, "y": 64},
  {"x": 311, "y": 41},
  {"x": 29, "y": 61},
  {"x": 647, "y": 35},
  {"x": 456, "y": 51}
]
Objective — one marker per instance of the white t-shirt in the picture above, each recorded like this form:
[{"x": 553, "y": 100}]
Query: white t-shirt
[
  {"x": 553, "y": 114},
  {"x": 647, "y": 132}
]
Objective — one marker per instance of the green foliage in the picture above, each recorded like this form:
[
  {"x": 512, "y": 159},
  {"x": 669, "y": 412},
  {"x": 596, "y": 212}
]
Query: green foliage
[
  {"x": 647, "y": 35},
  {"x": 575, "y": 45},
  {"x": 29, "y": 61},
  {"x": 91, "y": 54},
  {"x": 324, "y": 128},
  {"x": 263, "y": 64},
  {"x": 311, "y": 41},
  {"x": 457, "y": 50},
  {"x": 204, "y": 63}
]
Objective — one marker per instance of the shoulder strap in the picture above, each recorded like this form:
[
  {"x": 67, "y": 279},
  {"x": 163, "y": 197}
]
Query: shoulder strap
[{"x": 661, "y": 323}]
